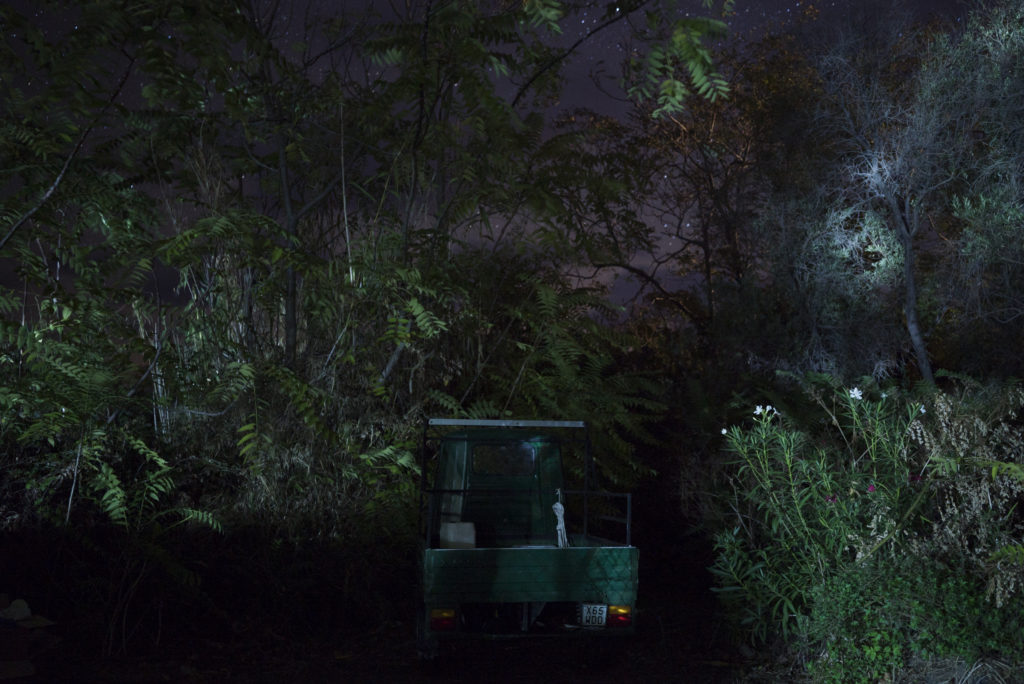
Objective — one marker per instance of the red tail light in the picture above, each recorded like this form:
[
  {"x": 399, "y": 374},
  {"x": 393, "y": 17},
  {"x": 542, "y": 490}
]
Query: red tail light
[
  {"x": 442, "y": 619},
  {"x": 620, "y": 616}
]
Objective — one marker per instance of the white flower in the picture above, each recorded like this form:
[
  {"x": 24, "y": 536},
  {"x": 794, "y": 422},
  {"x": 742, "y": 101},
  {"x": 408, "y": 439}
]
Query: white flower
[
  {"x": 922, "y": 410},
  {"x": 724, "y": 431},
  {"x": 885, "y": 395},
  {"x": 759, "y": 410},
  {"x": 855, "y": 393}
]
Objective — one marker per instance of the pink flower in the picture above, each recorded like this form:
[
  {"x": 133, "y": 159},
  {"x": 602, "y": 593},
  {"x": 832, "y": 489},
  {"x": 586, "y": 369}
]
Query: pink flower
[{"x": 871, "y": 488}]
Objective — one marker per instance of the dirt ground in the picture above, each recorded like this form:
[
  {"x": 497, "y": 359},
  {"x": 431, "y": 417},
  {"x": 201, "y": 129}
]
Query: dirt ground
[
  {"x": 679, "y": 638},
  {"x": 660, "y": 651}
]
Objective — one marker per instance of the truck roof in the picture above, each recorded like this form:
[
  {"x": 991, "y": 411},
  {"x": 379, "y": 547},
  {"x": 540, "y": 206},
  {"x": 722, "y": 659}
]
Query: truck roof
[{"x": 503, "y": 423}]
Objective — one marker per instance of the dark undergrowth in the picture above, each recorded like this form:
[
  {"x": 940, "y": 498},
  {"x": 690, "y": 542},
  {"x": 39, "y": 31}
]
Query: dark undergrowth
[{"x": 245, "y": 606}]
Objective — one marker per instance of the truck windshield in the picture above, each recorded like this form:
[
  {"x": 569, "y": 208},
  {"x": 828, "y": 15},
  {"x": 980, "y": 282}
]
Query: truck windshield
[{"x": 504, "y": 459}]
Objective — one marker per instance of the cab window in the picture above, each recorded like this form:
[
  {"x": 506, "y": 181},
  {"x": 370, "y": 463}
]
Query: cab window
[{"x": 504, "y": 459}]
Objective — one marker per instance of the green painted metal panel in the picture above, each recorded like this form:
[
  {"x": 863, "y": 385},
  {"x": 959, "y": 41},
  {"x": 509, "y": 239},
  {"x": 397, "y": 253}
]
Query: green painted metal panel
[{"x": 599, "y": 574}]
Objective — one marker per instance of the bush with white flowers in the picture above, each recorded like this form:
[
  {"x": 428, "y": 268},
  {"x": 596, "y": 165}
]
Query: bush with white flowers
[{"x": 845, "y": 530}]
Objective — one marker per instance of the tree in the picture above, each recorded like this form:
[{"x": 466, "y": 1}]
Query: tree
[
  {"x": 903, "y": 145},
  {"x": 980, "y": 68},
  {"x": 703, "y": 176},
  {"x": 77, "y": 364},
  {"x": 312, "y": 198}
]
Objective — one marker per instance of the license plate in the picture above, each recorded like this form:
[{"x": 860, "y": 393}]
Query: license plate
[{"x": 594, "y": 615}]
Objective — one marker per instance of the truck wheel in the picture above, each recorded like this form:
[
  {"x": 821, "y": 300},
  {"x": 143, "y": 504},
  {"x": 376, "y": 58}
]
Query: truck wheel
[
  {"x": 429, "y": 658},
  {"x": 427, "y": 648}
]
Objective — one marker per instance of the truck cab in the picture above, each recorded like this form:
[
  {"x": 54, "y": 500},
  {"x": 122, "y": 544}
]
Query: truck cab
[
  {"x": 508, "y": 551},
  {"x": 496, "y": 489}
]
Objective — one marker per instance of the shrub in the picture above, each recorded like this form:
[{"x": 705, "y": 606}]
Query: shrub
[
  {"x": 880, "y": 528},
  {"x": 866, "y": 620}
]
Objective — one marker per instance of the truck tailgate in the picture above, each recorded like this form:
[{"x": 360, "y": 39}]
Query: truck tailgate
[{"x": 604, "y": 574}]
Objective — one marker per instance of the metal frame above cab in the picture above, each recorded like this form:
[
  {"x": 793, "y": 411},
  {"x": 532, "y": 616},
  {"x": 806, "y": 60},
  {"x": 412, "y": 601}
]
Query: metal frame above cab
[{"x": 488, "y": 422}]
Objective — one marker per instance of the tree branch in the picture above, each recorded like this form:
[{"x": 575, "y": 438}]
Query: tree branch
[
  {"x": 67, "y": 162},
  {"x": 550, "y": 64}
]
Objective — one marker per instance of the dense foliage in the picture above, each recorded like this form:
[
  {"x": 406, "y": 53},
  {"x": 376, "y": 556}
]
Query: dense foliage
[
  {"x": 875, "y": 529},
  {"x": 244, "y": 252}
]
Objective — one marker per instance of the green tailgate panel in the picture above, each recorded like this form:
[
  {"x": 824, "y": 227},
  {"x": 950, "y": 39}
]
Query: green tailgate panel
[{"x": 599, "y": 574}]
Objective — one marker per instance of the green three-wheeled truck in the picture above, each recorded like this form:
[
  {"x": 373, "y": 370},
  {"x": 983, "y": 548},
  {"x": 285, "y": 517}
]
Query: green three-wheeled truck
[{"x": 508, "y": 551}]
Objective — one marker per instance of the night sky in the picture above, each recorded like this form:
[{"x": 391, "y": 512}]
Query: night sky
[{"x": 602, "y": 54}]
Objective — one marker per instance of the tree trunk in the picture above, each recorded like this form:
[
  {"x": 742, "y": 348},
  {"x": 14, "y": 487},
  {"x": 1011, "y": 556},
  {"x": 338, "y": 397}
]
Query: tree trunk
[
  {"x": 290, "y": 319},
  {"x": 910, "y": 308}
]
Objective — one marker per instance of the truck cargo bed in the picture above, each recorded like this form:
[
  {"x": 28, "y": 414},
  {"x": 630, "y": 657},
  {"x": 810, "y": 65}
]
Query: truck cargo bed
[{"x": 604, "y": 574}]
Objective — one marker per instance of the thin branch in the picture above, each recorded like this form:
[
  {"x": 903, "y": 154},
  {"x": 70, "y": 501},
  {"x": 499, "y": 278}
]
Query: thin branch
[
  {"x": 648, "y": 279},
  {"x": 67, "y": 162},
  {"x": 550, "y": 64},
  {"x": 74, "y": 481}
]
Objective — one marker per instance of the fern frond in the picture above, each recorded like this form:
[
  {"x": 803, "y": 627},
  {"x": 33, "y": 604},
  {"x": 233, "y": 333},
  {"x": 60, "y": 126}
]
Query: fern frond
[
  {"x": 429, "y": 324},
  {"x": 113, "y": 498},
  {"x": 194, "y": 515},
  {"x": 484, "y": 408},
  {"x": 449, "y": 404}
]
